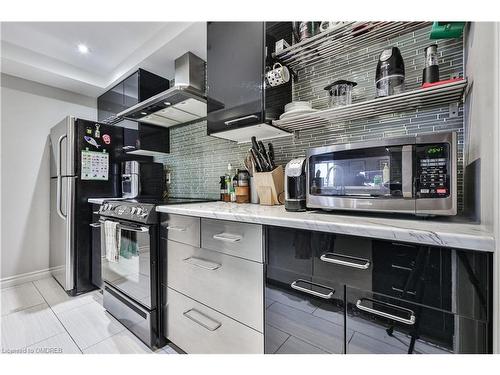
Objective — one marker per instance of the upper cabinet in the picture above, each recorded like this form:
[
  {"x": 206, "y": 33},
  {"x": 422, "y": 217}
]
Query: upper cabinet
[
  {"x": 137, "y": 87},
  {"x": 140, "y": 139},
  {"x": 238, "y": 55}
]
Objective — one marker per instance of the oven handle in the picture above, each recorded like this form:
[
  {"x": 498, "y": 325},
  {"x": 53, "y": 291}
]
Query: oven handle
[
  {"x": 96, "y": 225},
  {"x": 127, "y": 227}
]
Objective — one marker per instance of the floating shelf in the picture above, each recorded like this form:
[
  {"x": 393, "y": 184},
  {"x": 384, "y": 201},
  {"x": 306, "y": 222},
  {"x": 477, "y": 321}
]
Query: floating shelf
[
  {"x": 349, "y": 36},
  {"x": 422, "y": 98}
]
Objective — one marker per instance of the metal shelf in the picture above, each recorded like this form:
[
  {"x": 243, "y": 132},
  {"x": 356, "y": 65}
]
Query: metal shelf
[
  {"x": 429, "y": 97},
  {"x": 349, "y": 36}
]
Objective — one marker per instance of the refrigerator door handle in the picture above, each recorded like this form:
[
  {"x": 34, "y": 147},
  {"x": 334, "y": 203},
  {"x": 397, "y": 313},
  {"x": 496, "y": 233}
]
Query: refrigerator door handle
[{"x": 59, "y": 177}]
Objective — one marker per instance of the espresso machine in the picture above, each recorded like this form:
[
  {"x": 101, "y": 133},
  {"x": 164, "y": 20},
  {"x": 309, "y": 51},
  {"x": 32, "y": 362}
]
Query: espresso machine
[{"x": 295, "y": 185}]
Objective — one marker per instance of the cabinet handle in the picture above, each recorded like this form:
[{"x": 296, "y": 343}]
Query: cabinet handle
[
  {"x": 177, "y": 229},
  {"x": 196, "y": 315},
  {"x": 239, "y": 119},
  {"x": 364, "y": 266},
  {"x": 411, "y": 321},
  {"x": 312, "y": 292},
  {"x": 227, "y": 237},
  {"x": 202, "y": 263}
]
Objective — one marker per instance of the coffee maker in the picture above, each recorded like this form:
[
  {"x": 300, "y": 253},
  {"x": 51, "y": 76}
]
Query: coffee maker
[{"x": 295, "y": 185}]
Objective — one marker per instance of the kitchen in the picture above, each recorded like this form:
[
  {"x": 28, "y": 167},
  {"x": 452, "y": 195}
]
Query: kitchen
[{"x": 309, "y": 187}]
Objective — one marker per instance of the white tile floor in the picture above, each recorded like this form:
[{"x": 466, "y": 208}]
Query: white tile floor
[{"x": 39, "y": 317}]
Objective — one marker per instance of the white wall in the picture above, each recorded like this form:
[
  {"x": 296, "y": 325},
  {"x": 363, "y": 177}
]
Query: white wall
[
  {"x": 28, "y": 111},
  {"x": 483, "y": 129},
  {"x": 481, "y": 70}
]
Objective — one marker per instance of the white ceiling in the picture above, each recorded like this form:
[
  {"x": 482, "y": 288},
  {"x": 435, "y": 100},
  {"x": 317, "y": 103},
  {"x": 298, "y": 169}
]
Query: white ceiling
[{"x": 46, "y": 52}]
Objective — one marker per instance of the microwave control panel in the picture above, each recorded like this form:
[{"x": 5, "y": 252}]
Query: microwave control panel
[{"x": 433, "y": 166}]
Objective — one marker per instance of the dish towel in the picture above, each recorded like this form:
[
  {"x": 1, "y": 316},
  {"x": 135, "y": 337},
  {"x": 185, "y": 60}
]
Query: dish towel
[{"x": 112, "y": 242}]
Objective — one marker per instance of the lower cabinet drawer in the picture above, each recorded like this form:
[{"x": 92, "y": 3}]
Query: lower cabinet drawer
[
  {"x": 198, "y": 329},
  {"x": 385, "y": 325},
  {"x": 231, "y": 285},
  {"x": 239, "y": 239},
  {"x": 180, "y": 228}
]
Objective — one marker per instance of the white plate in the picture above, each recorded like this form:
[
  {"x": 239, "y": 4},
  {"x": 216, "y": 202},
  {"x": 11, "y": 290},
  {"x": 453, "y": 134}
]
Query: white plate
[
  {"x": 297, "y": 112},
  {"x": 297, "y": 105}
]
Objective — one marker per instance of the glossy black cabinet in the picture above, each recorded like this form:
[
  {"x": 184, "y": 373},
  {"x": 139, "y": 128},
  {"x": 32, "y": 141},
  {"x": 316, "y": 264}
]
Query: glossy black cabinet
[
  {"x": 384, "y": 296},
  {"x": 379, "y": 324},
  {"x": 238, "y": 54},
  {"x": 137, "y": 87},
  {"x": 147, "y": 140},
  {"x": 302, "y": 315},
  {"x": 139, "y": 138}
]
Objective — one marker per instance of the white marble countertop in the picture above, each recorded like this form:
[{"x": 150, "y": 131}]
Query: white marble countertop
[{"x": 439, "y": 232}]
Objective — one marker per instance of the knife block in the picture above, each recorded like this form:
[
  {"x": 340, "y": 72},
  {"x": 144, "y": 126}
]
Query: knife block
[{"x": 270, "y": 186}]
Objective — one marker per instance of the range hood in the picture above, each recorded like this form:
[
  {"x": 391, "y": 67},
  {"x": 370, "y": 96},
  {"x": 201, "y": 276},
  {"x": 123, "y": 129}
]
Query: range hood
[{"x": 184, "y": 103}]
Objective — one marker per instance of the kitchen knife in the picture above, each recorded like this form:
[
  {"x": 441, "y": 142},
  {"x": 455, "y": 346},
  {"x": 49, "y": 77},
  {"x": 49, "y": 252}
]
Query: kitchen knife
[
  {"x": 256, "y": 161},
  {"x": 270, "y": 151},
  {"x": 261, "y": 159},
  {"x": 265, "y": 156}
]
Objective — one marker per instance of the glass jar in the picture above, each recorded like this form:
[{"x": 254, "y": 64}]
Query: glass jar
[{"x": 340, "y": 93}]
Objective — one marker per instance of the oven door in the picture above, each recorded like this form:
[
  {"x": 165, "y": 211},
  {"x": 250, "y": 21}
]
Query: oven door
[
  {"x": 132, "y": 274},
  {"x": 371, "y": 178}
]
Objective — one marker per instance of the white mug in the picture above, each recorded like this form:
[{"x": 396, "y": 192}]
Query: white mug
[{"x": 278, "y": 75}]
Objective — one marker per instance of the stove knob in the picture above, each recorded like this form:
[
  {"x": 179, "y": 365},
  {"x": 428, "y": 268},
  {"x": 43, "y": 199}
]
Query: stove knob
[
  {"x": 138, "y": 211},
  {"x": 132, "y": 212}
]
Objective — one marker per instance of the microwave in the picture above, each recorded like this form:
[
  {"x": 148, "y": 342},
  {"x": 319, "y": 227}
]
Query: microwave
[{"x": 411, "y": 175}]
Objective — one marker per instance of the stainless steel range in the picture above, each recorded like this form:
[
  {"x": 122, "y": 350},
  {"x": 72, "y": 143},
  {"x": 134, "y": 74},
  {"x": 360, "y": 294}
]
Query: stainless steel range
[{"x": 129, "y": 258}]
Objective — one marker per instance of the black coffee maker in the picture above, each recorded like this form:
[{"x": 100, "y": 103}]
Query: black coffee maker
[{"x": 295, "y": 185}]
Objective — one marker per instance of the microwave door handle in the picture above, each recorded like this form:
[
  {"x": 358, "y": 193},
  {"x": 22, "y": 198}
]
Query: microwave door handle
[{"x": 407, "y": 171}]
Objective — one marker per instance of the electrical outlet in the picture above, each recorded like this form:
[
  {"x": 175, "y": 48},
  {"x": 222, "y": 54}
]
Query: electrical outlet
[{"x": 168, "y": 178}]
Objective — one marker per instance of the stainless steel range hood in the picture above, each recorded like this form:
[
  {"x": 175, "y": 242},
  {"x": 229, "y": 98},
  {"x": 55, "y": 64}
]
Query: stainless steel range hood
[{"x": 184, "y": 103}]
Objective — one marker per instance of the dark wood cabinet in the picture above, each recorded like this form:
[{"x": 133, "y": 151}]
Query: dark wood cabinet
[
  {"x": 384, "y": 296},
  {"x": 237, "y": 56}
]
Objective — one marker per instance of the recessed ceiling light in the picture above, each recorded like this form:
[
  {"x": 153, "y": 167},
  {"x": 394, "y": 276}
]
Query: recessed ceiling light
[
  {"x": 82, "y": 48},
  {"x": 144, "y": 113}
]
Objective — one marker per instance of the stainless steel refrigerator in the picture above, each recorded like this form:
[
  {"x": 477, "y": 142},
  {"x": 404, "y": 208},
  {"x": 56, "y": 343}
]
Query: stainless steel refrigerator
[{"x": 84, "y": 164}]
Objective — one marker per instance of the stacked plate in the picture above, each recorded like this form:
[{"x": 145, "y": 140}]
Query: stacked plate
[{"x": 296, "y": 109}]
